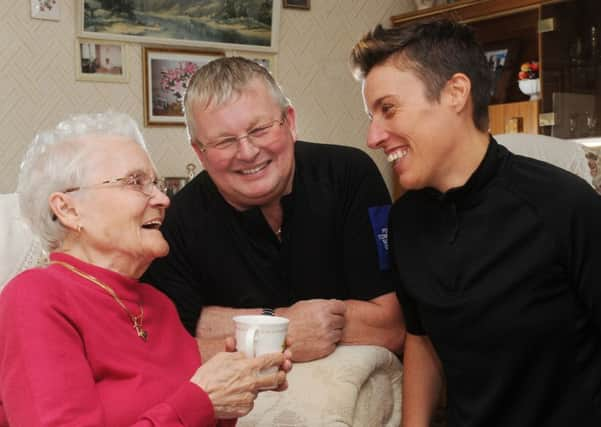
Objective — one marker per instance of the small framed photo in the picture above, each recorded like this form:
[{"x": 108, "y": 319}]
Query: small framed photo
[
  {"x": 45, "y": 9},
  {"x": 100, "y": 61},
  {"x": 166, "y": 76},
  {"x": 172, "y": 184},
  {"x": 502, "y": 58},
  {"x": 297, "y": 4},
  {"x": 266, "y": 60}
]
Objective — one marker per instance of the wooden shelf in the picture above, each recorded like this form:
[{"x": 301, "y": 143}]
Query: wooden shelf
[{"x": 469, "y": 10}]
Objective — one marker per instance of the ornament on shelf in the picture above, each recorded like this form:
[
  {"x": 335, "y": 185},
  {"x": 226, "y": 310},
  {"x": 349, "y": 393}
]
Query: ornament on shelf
[{"x": 529, "y": 81}]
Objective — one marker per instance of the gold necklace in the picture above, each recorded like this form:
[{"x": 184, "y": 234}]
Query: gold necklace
[{"x": 137, "y": 321}]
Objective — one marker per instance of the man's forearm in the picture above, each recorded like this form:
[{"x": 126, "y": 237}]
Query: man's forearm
[
  {"x": 376, "y": 322},
  {"x": 216, "y": 321}
]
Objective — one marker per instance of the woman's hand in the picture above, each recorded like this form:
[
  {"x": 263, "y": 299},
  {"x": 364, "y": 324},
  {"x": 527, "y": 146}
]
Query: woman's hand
[{"x": 232, "y": 380}]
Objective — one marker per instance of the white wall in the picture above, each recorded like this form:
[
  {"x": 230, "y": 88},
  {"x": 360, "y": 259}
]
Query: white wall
[{"x": 38, "y": 86}]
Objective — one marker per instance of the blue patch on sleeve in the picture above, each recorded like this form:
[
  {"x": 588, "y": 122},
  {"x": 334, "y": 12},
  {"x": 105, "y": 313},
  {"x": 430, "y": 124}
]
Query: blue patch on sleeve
[{"x": 378, "y": 215}]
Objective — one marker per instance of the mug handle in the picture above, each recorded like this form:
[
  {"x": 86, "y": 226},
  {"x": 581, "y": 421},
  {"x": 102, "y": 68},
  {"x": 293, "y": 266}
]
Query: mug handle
[{"x": 251, "y": 333}]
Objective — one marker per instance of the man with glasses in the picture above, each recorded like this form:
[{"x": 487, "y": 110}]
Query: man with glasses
[{"x": 274, "y": 225}]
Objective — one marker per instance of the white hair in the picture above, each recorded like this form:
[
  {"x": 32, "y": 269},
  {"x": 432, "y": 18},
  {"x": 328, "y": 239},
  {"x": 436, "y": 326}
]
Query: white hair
[{"x": 56, "y": 160}]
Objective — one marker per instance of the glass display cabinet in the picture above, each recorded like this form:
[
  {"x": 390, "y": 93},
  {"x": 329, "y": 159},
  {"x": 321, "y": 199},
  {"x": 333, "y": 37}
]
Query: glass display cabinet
[{"x": 556, "y": 42}]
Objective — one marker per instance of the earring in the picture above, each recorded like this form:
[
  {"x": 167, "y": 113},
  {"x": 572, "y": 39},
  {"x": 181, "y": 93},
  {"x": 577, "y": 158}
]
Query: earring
[{"x": 79, "y": 228}]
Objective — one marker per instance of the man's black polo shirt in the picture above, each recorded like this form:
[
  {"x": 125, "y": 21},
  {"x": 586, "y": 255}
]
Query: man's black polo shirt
[{"x": 220, "y": 256}]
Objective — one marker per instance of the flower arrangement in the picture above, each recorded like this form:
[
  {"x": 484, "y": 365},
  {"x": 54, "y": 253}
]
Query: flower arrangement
[
  {"x": 46, "y": 5},
  {"x": 528, "y": 70},
  {"x": 175, "y": 80}
]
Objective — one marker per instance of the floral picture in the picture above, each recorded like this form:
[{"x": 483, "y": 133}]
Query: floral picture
[
  {"x": 45, "y": 9},
  {"x": 166, "y": 76}
]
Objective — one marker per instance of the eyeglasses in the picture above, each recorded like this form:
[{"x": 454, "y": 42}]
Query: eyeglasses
[
  {"x": 258, "y": 136},
  {"x": 138, "y": 182}
]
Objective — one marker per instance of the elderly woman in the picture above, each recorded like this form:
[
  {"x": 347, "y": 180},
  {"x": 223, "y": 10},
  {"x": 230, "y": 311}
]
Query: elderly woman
[{"x": 82, "y": 341}]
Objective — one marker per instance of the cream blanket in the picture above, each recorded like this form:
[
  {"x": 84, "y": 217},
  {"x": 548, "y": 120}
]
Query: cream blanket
[{"x": 354, "y": 386}]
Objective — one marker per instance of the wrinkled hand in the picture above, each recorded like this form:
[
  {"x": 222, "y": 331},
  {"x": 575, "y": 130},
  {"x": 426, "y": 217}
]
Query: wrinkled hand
[
  {"x": 315, "y": 327},
  {"x": 232, "y": 380}
]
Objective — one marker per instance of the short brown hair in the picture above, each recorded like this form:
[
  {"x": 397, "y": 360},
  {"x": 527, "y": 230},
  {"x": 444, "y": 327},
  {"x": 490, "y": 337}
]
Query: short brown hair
[{"x": 434, "y": 51}]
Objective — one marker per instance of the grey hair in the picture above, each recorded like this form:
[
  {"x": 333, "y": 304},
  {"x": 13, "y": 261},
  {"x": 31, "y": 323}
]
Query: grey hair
[
  {"x": 219, "y": 81},
  {"x": 57, "y": 160}
]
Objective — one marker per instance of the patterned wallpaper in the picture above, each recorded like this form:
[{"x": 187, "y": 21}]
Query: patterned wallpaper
[{"x": 38, "y": 86}]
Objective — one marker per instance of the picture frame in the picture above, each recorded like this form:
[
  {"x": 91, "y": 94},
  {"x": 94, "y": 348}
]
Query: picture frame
[
  {"x": 217, "y": 25},
  {"x": 101, "y": 61},
  {"x": 297, "y": 4},
  {"x": 265, "y": 59},
  {"x": 165, "y": 74},
  {"x": 45, "y": 9},
  {"x": 173, "y": 184},
  {"x": 502, "y": 57}
]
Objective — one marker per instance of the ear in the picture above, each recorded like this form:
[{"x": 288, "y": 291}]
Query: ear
[
  {"x": 63, "y": 207},
  {"x": 457, "y": 92},
  {"x": 199, "y": 153},
  {"x": 291, "y": 119}
]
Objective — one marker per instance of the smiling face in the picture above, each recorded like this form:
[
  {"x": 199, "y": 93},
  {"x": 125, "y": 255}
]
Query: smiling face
[
  {"x": 415, "y": 133},
  {"x": 250, "y": 175},
  {"x": 119, "y": 222}
]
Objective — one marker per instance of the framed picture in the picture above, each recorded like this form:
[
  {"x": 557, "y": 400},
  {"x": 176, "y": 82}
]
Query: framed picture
[
  {"x": 45, "y": 9},
  {"x": 297, "y": 4},
  {"x": 166, "y": 76},
  {"x": 100, "y": 61},
  {"x": 232, "y": 24},
  {"x": 172, "y": 184},
  {"x": 266, "y": 60},
  {"x": 502, "y": 62}
]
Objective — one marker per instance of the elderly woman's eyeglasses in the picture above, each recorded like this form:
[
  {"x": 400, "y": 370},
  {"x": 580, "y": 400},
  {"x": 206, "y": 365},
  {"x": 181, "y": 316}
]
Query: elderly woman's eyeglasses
[
  {"x": 257, "y": 136},
  {"x": 138, "y": 182}
]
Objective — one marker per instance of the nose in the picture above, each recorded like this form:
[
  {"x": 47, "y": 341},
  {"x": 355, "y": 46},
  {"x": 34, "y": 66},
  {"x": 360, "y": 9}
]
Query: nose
[
  {"x": 158, "y": 198},
  {"x": 246, "y": 149},
  {"x": 375, "y": 135}
]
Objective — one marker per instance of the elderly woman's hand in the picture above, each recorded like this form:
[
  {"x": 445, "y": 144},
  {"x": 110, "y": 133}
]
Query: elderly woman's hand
[{"x": 232, "y": 380}]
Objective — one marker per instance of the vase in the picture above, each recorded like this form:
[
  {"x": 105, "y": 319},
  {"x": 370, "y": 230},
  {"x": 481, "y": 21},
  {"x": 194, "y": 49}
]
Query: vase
[{"x": 530, "y": 87}]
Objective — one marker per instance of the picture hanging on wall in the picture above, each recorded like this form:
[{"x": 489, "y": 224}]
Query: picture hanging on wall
[
  {"x": 100, "y": 61},
  {"x": 297, "y": 4},
  {"x": 45, "y": 9},
  {"x": 166, "y": 76},
  {"x": 232, "y": 24}
]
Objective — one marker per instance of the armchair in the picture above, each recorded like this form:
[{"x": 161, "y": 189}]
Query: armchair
[{"x": 19, "y": 248}]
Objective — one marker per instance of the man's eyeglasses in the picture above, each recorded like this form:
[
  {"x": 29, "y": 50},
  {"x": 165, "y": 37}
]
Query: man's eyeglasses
[
  {"x": 257, "y": 136},
  {"x": 138, "y": 182}
]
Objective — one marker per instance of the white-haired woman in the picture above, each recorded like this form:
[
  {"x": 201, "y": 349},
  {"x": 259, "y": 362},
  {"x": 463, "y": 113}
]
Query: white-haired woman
[{"x": 82, "y": 341}]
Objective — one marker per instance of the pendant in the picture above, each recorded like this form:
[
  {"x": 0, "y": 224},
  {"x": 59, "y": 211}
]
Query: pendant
[
  {"x": 139, "y": 329},
  {"x": 142, "y": 334}
]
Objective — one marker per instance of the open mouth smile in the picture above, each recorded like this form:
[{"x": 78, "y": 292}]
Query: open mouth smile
[
  {"x": 397, "y": 154},
  {"x": 254, "y": 170}
]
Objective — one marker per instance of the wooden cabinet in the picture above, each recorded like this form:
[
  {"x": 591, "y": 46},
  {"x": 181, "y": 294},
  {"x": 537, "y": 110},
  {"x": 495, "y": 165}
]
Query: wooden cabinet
[{"x": 562, "y": 35}]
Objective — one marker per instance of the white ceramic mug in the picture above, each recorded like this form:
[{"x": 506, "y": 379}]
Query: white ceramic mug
[{"x": 260, "y": 334}]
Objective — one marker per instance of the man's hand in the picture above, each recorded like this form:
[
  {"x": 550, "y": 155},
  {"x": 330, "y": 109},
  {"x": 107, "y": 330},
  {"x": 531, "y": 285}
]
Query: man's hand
[{"x": 315, "y": 327}]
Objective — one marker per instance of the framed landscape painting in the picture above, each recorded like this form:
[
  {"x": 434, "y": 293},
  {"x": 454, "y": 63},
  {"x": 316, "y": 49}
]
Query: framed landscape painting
[
  {"x": 231, "y": 24},
  {"x": 166, "y": 76}
]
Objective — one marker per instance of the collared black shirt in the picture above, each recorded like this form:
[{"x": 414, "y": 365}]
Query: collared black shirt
[
  {"x": 503, "y": 276},
  {"x": 221, "y": 256}
]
